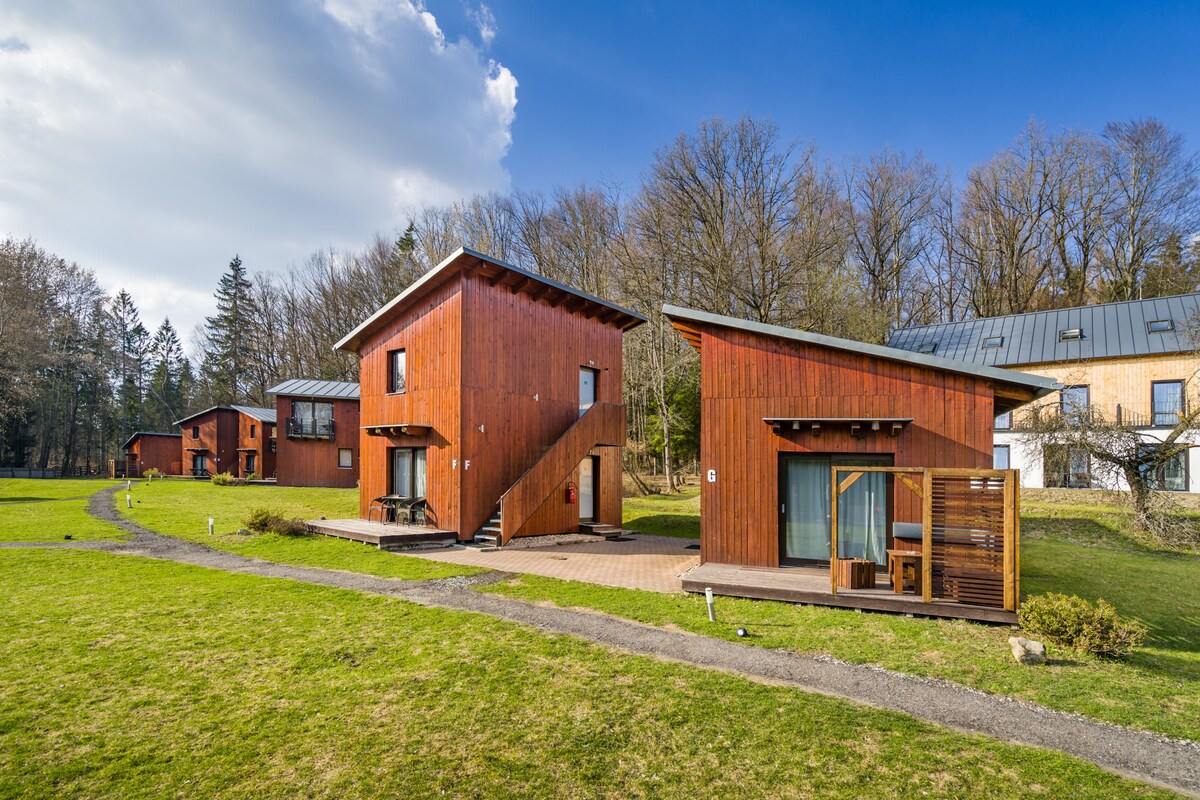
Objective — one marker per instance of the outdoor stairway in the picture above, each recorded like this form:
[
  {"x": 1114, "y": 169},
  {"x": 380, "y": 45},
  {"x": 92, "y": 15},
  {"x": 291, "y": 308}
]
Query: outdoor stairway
[
  {"x": 491, "y": 532},
  {"x": 602, "y": 529}
]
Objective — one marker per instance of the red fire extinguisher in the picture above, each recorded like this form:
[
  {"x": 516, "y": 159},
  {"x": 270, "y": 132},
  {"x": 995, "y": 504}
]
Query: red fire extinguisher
[{"x": 572, "y": 493}]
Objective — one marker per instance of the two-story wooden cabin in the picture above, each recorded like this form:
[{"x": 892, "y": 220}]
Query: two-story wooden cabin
[
  {"x": 145, "y": 450},
  {"x": 318, "y": 433},
  {"x": 782, "y": 411},
  {"x": 239, "y": 440},
  {"x": 495, "y": 395}
]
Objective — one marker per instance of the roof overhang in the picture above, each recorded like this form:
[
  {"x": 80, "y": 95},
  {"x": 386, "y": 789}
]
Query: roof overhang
[
  {"x": 137, "y": 434},
  {"x": 396, "y": 429},
  {"x": 1011, "y": 388},
  {"x": 857, "y": 425},
  {"x": 497, "y": 273}
]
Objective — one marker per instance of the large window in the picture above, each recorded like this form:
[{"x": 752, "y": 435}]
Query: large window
[
  {"x": 1074, "y": 400},
  {"x": 310, "y": 418},
  {"x": 1000, "y": 457},
  {"x": 397, "y": 371},
  {"x": 1169, "y": 476},
  {"x": 1166, "y": 399},
  {"x": 408, "y": 471},
  {"x": 1066, "y": 467},
  {"x": 1004, "y": 421}
]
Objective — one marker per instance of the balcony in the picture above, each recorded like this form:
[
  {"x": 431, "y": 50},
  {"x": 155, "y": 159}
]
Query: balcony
[
  {"x": 1121, "y": 416},
  {"x": 309, "y": 428}
]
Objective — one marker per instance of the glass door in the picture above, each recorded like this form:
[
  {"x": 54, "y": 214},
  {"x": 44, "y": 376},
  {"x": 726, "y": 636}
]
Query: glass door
[
  {"x": 408, "y": 471},
  {"x": 864, "y": 511},
  {"x": 587, "y": 389},
  {"x": 587, "y": 489}
]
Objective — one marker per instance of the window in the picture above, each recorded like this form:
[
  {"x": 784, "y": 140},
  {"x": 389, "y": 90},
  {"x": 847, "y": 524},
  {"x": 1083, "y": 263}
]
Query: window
[
  {"x": 588, "y": 379},
  {"x": 195, "y": 431},
  {"x": 408, "y": 471},
  {"x": 310, "y": 418},
  {"x": 927, "y": 347},
  {"x": 199, "y": 464},
  {"x": 345, "y": 458},
  {"x": 1166, "y": 400},
  {"x": 1000, "y": 457},
  {"x": 1066, "y": 467},
  {"x": 1070, "y": 334},
  {"x": 397, "y": 371},
  {"x": 1004, "y": 421},
  {"x": 1160, "y": 326},
  {"x": 992, "y": 342},
  {"x": 1074, "y": 400},
  {"x": 251, "y": 462},
  {"x": 1169, "y": 476},
  {"x": 252, "y": 430}
]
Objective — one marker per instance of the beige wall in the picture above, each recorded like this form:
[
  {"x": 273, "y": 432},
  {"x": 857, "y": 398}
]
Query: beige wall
[{"x": 1122, "y": 381}]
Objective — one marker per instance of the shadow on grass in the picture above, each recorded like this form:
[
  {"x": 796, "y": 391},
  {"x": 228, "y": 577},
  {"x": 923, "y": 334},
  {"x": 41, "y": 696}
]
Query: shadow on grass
[
  {"x": 13, "y": 501},
  {"x": 684, "y": 526}
]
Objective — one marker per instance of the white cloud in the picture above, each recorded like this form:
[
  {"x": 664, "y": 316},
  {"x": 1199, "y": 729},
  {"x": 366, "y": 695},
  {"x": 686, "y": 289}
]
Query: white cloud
[
  {"x": 485, "y": 20},
  {"x": 152, "y": 141}
]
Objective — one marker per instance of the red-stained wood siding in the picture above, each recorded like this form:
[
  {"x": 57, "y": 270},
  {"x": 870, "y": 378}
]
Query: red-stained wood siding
[
  {"x": 259, "y": 444},
  {"x": 218, "y": 440},
  {"x": 149, "y": 451},
  {"x": 314, "y": 462},
  {"x": 748, "y": 376}
]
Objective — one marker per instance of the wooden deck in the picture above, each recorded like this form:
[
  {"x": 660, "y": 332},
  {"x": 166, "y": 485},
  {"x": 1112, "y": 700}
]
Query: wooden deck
[
  {"x": 385, "y": 537},
  {"x": 811, "y": 585}
]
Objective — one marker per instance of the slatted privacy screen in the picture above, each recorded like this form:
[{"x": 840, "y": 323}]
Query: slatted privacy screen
[{"x": 971, "y": 537}]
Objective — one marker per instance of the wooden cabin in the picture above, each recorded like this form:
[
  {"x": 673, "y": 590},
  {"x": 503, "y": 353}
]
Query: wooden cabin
[
  {"x": 493, "y": 395},
  {"x": 318, "y": 441},
  {"x": 239, "y": 440},
  {"x": 784, "y": 412},
  {"x": 145, "y": 450}
]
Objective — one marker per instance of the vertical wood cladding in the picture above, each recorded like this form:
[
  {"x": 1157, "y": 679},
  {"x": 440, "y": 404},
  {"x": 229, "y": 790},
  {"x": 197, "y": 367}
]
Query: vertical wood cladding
[
  {"x": 259, "y": 445},
  {"x": 494, "y": 372},
  {"x": 218, "y": 440},
  {"x": 747, "y": 376},
  {"x": 314, "y": 462},
  {"x": 153, "y": 451}
]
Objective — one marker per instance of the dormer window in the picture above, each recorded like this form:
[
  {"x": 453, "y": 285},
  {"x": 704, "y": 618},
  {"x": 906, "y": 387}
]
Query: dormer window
[
  {"x": 927, "y": 347},
  {"x": 1070, "y": 334},
  {"x": 992, "y": 342},
  {"x": 1160, "y": 326}
]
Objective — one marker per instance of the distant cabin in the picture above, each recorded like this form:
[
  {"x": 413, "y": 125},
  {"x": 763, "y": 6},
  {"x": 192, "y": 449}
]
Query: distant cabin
[
  {"x": 494, "y": 395},
  {"x": 239, "y": 440},
  {"x": 145, "y": 450},
  {"x": 318, "y": 441}
]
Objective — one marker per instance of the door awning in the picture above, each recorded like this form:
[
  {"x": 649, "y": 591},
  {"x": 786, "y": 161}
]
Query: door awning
[
  {"x": 858, "y": 425},
  {"x": 398, "y": 429}
]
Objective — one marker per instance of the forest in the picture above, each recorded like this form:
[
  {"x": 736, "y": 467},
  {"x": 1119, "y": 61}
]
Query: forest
[{"x": 733, "y": 218}]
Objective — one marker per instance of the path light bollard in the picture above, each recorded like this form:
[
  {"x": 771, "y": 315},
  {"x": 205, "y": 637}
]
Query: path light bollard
[
  {"x": 128, "y": 501},
  {"x": 708, "y": 598},
  {"x": 210, "y": 526},
  {"x": 128, "y": 485}
]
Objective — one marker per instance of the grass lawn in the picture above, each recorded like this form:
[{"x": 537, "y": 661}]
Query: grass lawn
[
  {"x": 123, "y": 677},
  {"x": 1064, "y": 549},
  {"x": 182, "y": 508},
  {"x": 665, "y": 514},
  {"x": 36, "y": 510}
]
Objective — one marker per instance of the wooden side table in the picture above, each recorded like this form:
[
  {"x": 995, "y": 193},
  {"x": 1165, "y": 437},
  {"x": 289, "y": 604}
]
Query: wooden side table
[{"x": 905, "y": 567}]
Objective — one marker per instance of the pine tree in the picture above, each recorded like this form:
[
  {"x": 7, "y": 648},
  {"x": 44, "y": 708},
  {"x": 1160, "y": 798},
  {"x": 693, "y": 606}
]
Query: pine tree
[
  {"x": 165, "y": 400},
  {"x": 130, "y": 339},
  {"x": 226, "y": 337}
]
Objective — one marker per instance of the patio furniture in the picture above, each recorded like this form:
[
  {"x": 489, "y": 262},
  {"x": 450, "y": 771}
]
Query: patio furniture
[
  {"x": 385, "y": 505},
  {"x": 855, "y": 573},
  {"x": 905, "y": 568}
]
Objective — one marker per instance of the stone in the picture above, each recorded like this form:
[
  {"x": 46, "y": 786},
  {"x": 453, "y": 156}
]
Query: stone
[{"x": 1027, "y": 651}]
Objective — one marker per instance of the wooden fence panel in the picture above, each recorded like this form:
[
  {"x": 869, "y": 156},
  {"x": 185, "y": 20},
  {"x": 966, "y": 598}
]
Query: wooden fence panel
[{"x": 972, "y": 551}]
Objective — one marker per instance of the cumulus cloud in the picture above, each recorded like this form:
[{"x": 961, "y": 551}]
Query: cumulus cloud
[{"x": 152, "y": 141}]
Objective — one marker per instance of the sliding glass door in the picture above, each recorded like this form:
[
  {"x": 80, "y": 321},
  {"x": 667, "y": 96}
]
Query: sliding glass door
[
  {"x": 805, "y": 493},
  {"x": 408, "y": 471}
]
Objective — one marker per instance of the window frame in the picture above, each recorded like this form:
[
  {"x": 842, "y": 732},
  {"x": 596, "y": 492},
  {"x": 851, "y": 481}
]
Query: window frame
[
  {"x": 1007, "y": 455},
  {"x": 1154, "y": 423},
  {"x": 996, "y": 426},
  {"x": 252, "y": 431},
  {"x": 992, "y": 343},
  {"x": 1166, "y": 326},
  {"x": 1070, "y": 334},
  {"x": 350, "y": 460},
  {"x": 1156, "y": 480},
  {"x": 927, "y": 348},
  {"x": 1066, "y": 475},
  {"x": 1062, "y": 399},
  {"x": 402, "y": 352},
  {"x": 195, "y": 432}
]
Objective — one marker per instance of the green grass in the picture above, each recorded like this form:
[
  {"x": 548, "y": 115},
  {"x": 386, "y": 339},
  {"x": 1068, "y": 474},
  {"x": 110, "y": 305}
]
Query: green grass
[
  {"x": 123, "y": 677},
  {"x": 34, "y": 510},
  {"x": 665, "y": 514},
  {"x": 182, "y": 509},
  {"x": 1067, "y": 551}
]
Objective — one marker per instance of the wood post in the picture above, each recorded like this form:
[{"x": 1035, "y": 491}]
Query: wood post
[
  {"x": 927, "y": 536},
  {"x": 833, "y": 531}
]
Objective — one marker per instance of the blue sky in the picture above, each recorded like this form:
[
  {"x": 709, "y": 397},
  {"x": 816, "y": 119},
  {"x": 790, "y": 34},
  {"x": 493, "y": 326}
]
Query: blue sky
[{"x": 150, "y": 140}]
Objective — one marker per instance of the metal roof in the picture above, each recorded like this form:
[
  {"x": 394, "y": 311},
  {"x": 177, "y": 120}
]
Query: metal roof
[
  {"x": 1040, "y": 386},
  {"x": 441, "y": 272},
  {"x": 324, "y": 390},
  {"x": 1110, "y": 330},
  {"x": 260, "y": 414},
  {"x": 136, "y": 434}
]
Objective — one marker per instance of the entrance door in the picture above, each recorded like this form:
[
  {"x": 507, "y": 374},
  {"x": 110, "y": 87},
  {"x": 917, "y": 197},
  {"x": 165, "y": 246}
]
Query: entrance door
[
  {"x": 408, "y": 471},
  {"x": 805, "y": 492},
  {"x": 251, "y": 463},
  {"x": 587, "y": 388},
  {"x": 199, "y": 464},
  {"x": 587, "y": 489}
]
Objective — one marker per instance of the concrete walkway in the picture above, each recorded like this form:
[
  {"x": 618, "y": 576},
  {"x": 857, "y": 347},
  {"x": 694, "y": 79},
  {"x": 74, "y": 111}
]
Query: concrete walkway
[
  {"x": 644, "y": 562},
  {"x": 1170, "y": 763}
]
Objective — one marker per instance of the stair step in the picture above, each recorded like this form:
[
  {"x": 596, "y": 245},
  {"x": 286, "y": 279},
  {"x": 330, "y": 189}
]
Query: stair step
[
  {"x": 494, "y": 529},
  {"x": 494, "y": 520}
]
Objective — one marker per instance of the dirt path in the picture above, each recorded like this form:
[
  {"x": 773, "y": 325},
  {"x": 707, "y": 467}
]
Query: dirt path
[{"x": 1170, "y": 763}]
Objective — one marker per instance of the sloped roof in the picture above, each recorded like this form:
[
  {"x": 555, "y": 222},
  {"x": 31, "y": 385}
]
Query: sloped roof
[
  {"x": 1037, "y": 384},
  {"x": 324, "y": 390},
  {"x": 260, "y": 414},
  {"x": 136, "y": 434},
  {"x": 1111, "y": 330},
  {"x": 465, "y": 258}
]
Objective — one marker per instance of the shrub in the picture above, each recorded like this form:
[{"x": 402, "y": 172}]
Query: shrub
[
  {"x": 223, "y": 479},
  {"x": 1075, "y": 623},
  {"x": 289, "y": 527},
  {"x": 151, "y": 473},
  {"x": 254, "y": 476},
  {"x": 259, "y": 520}
]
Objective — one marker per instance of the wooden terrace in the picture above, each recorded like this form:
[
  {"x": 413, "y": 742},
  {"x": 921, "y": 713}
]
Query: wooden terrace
[{"x": 385, "y": 536}]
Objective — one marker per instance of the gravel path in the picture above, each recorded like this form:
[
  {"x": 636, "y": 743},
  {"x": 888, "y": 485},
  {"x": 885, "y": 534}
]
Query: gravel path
[{"x": 1173, "y": 764}]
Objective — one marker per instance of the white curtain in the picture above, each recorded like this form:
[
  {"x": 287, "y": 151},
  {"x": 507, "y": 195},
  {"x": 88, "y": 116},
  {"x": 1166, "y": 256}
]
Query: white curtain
[
  {"x": 862, "y": 519},
  {"x": 806, "y": 509}
]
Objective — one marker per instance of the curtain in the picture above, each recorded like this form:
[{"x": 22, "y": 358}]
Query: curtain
[
  {"x": 862, "y": 519},
  {"x": 806, "y": 508},
  {"x": 419, "y": 472}
]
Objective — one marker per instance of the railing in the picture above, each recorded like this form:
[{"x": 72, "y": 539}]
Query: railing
[
  {"x": 1125, "y": 416},
  {"x": 309, "y": 428},
  {"x": 602, "y": 425}
]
